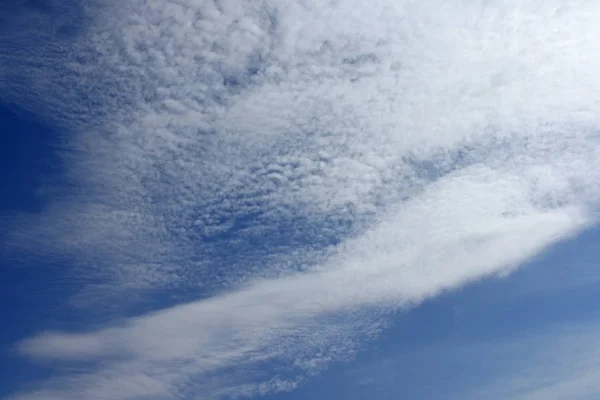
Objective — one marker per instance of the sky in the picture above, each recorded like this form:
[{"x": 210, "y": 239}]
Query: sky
[{"x": 327, "y": 199}]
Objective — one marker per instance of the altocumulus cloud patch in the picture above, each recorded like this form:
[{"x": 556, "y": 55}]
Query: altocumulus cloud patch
[{"x": 302, "y": 166}]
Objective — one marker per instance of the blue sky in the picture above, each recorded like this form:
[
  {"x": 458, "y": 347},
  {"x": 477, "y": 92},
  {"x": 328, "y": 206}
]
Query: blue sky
[{"x": 326, "y": 199}]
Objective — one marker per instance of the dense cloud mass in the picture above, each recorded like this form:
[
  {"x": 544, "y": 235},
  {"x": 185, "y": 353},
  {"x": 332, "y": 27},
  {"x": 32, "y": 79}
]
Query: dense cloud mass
[{"x": 302, "y": 166}]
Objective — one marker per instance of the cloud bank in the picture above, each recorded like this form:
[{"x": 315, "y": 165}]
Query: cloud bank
[{"x": 303, "y": 167}]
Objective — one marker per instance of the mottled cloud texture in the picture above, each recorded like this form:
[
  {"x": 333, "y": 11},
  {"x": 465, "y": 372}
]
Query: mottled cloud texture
[{"x": 304, "y": 166}]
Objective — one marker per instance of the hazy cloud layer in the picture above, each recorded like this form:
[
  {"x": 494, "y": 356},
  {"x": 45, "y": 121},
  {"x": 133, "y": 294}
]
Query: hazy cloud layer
[{"x": 308, "y": 164}]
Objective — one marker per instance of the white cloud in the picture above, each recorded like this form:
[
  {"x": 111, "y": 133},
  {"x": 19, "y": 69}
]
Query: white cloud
[
  {"x": 432, "y": 243},
  {"x": 229, "y": 144}
]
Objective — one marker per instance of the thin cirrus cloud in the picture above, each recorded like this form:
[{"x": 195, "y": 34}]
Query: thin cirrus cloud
[
  {"x": 540, "y": 362},
  {"x": 306, "y": 164},
  {"x": 569, "y": 370}
]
